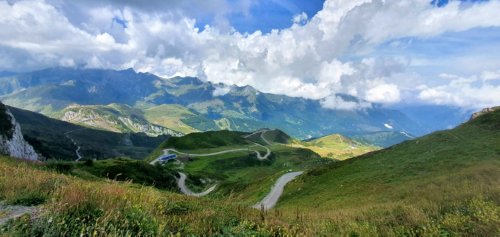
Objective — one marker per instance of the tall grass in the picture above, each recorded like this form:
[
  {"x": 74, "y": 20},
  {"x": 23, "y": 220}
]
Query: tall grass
[{"x": 74, "y": 207}]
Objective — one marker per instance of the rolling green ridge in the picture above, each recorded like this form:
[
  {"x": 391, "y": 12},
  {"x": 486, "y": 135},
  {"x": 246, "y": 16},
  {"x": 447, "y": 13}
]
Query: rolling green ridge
[{"x": 211, "y": 139}]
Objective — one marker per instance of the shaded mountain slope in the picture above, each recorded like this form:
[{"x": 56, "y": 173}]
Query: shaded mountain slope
[{"x": 56, "y": 139}]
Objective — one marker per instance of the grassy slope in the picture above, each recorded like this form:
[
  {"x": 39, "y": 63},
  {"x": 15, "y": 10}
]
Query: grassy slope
[
  {"x": 277, "y": 136},
  {"x": 336, "y": 146},
  {"x": 121, "y": 169},
  {"x": 239, "y": 174},
  {"x": 438, "y": 181},
  {"x": 445, "y": 184},
  {"x": 246, "y": 179},
  {"x": 72, "y": 207},
  {"x": 212, "y": 139},
  {"x": 170, "y": 116}
]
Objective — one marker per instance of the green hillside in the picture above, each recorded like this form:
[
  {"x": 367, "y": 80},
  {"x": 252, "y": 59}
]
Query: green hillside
[
  {"x": 270, "y": 136},
  {"x": 447, "y": 182},
  {"x": 444, "y": 184},
  {"x": 277, "y": 136},
  {"x": 171, "y": 116},
  {"x": 211, "y": 139},
  {"x": 71, "y": 206},
  {"x": 120, "y": 169},
  {"x": 383, "y": 138},
  {"x": 238, "y": 173},
  {"x": 336, "y": 146}
]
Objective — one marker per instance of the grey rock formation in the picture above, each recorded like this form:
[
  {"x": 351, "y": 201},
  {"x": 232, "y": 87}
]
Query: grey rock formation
[
  {"x": 12, "y": 142},
  {"x": 484, "y": 111}
]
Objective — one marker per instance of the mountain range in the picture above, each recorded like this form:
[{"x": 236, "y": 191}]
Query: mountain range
[{"x": 127, "y": 101}]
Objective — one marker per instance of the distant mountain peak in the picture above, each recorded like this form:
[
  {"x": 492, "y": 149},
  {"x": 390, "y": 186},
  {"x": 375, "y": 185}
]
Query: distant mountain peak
[{"x": 186, "y": 80}]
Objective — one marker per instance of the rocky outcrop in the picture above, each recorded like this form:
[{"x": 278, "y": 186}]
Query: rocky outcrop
[
  {"x": 484, "y": 111},
  {"x": 12, "y": 142}
]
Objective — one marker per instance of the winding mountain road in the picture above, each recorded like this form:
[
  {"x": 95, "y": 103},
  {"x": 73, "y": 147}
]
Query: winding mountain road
[
  {"x": 78, "y": 148},
  {"x": 262, "y": 157},
  {"x": 272, "y": 197},
  {"x": 263, "y": 138},
  {"x": 181, "y": 183},
  {"x": 268, "y": 202},
  {"x": 167, "y": 151}
]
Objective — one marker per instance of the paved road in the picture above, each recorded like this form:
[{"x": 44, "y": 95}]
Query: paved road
[
  {"x": 262, "y": 132},
  {"x": 167, "y": 151},
  {"x": 262, "y": 157},
  {"x": 256, "y": 132},
  {"x": 263, "y": 138},
  {"x": 181, "y": 182},
  {"x": 272, "y": 198}
]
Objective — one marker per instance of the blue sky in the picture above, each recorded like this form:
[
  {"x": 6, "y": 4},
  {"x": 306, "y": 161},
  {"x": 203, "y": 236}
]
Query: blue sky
[
  {"x": 382, "y": 51},
  {"x": 265, "y": 15}
]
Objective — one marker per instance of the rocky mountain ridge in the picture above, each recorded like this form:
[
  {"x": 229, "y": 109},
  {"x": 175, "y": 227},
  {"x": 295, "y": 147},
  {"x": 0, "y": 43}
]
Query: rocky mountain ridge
[{"x": 51, "y": 91}]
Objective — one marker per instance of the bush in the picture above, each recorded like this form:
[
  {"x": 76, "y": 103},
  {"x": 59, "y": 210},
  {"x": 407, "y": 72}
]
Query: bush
[{"x": 60, "y": 166}]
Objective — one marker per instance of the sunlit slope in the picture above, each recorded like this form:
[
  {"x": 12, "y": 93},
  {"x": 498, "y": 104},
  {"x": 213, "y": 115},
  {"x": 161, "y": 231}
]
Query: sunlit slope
[
  {"x": 336, "y": 146},
  {"x": 172, "y": 116}
]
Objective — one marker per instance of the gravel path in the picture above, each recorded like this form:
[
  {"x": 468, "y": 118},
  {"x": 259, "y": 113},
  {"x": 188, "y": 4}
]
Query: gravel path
[{"x": 11, "y": 212}]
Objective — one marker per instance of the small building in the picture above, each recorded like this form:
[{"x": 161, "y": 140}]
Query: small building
[{"x": 167, "y": 157}]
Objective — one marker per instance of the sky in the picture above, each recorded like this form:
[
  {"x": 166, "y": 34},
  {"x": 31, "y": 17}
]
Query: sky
[{"x": 390, "y": 52}]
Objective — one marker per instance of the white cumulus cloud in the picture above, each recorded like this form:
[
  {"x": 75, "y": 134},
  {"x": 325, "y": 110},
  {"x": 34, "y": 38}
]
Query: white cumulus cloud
[{"x": 334, "y": 51}]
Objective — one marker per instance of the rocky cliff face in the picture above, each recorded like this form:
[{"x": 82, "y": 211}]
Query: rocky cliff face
[
  {"x": 12, "y": 142},
  {"x": 484, "y": 111}
]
